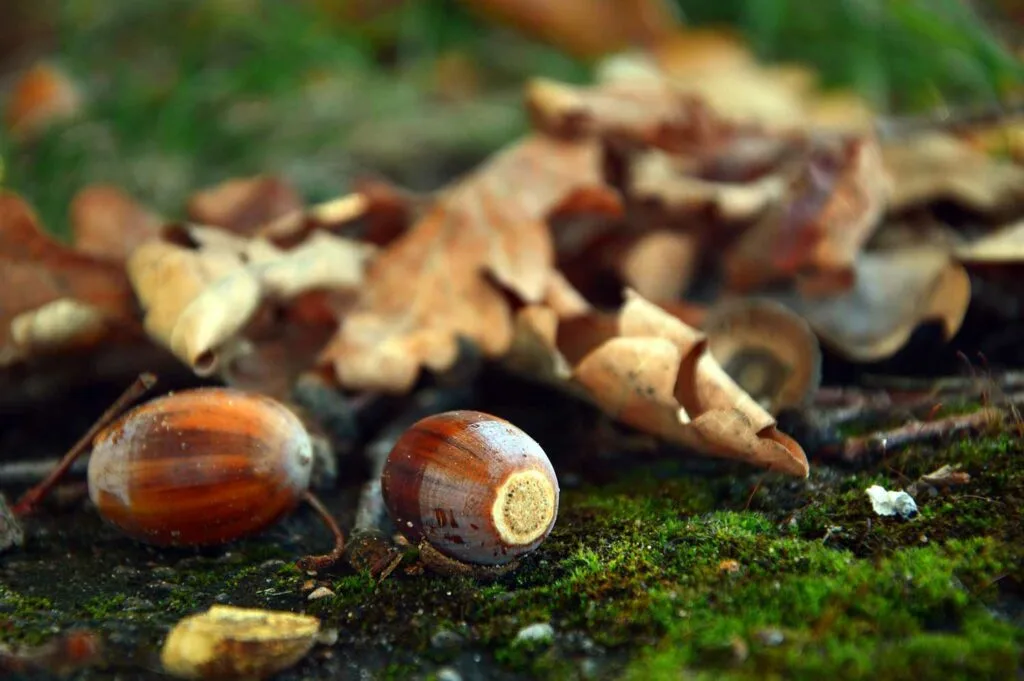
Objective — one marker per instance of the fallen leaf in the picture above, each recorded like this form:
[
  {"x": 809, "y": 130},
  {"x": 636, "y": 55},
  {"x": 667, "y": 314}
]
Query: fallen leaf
[
  {"x": 769, "y": 351},
  {"x": 1005, "y": 246},
  {"x": 649, "y": 112},
  {"x": 671, "y": 183},
  {"x": 894, "y": 292},
  {"x": 237, "y": 643},
  {"x": 51, "y": 296},
  {"x": 197, "y": 301},
  {"x": 444, "y": 278},
  {"x": 43, "y": 95},
  {"x": 939, "y": 167},
  {"x": 830, "y": 210},
  {"x": 660, "y": 264},
  {"x": 109, "y": 224},
  {"x": 646, "y": 368},
  {"x": 584, "y": 28},
  {"x": 242, "y": 205}
]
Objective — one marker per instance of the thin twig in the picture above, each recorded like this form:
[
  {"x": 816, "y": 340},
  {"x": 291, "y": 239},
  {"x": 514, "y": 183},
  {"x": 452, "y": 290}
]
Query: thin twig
[
  {"x": 884, "y": 442},
  {"x": 136, "y": 390}
]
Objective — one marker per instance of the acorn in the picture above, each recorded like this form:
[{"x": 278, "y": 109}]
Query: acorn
[
  {"x": 197, "y": 467},
  {"x": 200, "y": 467},
  {"x": 473, "y": 491}
]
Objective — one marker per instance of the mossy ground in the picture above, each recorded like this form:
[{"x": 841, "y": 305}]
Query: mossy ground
[{"x": 635, "y": 579}]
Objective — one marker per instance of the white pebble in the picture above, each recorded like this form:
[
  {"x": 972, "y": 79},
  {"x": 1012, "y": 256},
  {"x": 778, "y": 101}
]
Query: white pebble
[
  {"x": 542, "y": 631},
  {"x": 318, "y": 593},
  {"x": 886, "y": 502}
]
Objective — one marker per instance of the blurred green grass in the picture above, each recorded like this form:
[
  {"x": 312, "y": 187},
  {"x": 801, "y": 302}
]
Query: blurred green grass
[{"x": 183, "y": 94}]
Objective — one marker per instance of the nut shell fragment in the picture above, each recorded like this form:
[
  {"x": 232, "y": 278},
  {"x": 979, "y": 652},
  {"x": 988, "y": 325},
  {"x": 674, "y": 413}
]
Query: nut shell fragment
[
  {"x": 226, "y": 642},
  {"x": 768, "y": 350}
]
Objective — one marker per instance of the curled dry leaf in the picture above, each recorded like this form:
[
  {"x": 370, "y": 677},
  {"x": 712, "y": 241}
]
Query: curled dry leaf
[
  {"x": 661, "y": 264},
  {"x": 656, "y": 177},
  {"x": 767, "y": 349},
  {"x": 52, "y": 297},
  {"x": 242, "y": 205},
  {"x": 831, "y": 208},
  {"x": 1003, "y": 247},
  {"x": 197, "y": 301},
  {"x": 109, "y": 224},
  {"x": 42, "y": 96},
  {"x": 226, "y": 642},
  {"x": 939, "y": 167},
  {"x": 443, "y": 279},
  {"x": 649, "y": 370},
  {"x": 894, "y": 292}
]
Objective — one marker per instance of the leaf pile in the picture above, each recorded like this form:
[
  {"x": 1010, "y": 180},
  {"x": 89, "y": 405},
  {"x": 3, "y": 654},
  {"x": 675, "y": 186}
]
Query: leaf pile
[{"x": 586, "y": 255}]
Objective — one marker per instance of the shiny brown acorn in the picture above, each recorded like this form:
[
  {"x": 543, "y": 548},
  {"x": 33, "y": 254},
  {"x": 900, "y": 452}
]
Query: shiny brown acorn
[
  {"x": 197, "y": 467},
  {"x": 200, "y": 467},
  {"x": 472, "y": 490}
]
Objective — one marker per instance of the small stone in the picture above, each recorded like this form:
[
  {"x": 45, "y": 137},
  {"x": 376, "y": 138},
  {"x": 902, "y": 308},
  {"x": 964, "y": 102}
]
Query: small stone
[
  {"x": 318, "y": 593},
  {"x": 163, "y": 572},
  {"x": 448, "y": 674},
  {"x": 222, "y": 598},
  {"x": 541, "y": 631},
  {"x": 888, "y": 503},
  {"x": 272, "y": 564},
  {"x": 446, "y": 639},
  {"x": 125, "y": 571}
]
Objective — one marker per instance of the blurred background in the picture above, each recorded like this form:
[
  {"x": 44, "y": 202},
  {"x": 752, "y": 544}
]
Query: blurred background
[{"x": 163, "y": 97}]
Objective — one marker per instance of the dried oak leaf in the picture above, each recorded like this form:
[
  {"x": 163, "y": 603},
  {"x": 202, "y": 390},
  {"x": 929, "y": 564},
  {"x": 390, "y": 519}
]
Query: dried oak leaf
[
  {"x": 894, "y": 292},
  {"x": 831, "y": 208},
  {"x": 649, "y": 112},
  {"x": 670, "y": 182},
  {"x": 651, "y": 371},
  {"x": 939, "y": 167},
  {"x": 242, "y": 205},
  {"x": 197, "y": 301},
  {"x": 443, "y": 279},
  {"x": 51, "y": 296},
  {"x": 108, "y": 224},
  {"x": 1003, "y": 247}
]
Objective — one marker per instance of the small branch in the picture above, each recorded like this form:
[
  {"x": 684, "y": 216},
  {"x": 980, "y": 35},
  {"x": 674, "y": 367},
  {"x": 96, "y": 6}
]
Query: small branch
[
  {"x": 141, "y": 386},
  {"x": 858, "y": 449}
]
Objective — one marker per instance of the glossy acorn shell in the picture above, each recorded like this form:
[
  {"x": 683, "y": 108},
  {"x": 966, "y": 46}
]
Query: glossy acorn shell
[
  {"x": 473, "y": 486},
  {"x": 199, "y": 467}
]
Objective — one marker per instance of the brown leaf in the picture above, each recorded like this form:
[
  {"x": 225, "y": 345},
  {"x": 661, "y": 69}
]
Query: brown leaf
[
  {"x": 43, "y": 95},
  {"x": 243, "y": 205},
  {"x": 670, "y": 181},
  {"x": 52, "y": 297},
  {"x": 444, "y": 278},
  {"x": 648, "y": 112},
  {"x": 830, "y": 210},
  {"x": 1003, "y": 247},
  {"x": 584, "y": 28},
  {"x": 660, "y": 264},
  {"x": 109, "y": 224},
  {"x": 939, "y": 167},
  {"x": 649, "y": 370},
  {"x": 198, "y": 301},
  {"x": 894, "y": 292}
]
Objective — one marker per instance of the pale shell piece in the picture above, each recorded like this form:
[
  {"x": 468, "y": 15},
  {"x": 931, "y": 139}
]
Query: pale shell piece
[{"x": 226, "y": 642}]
